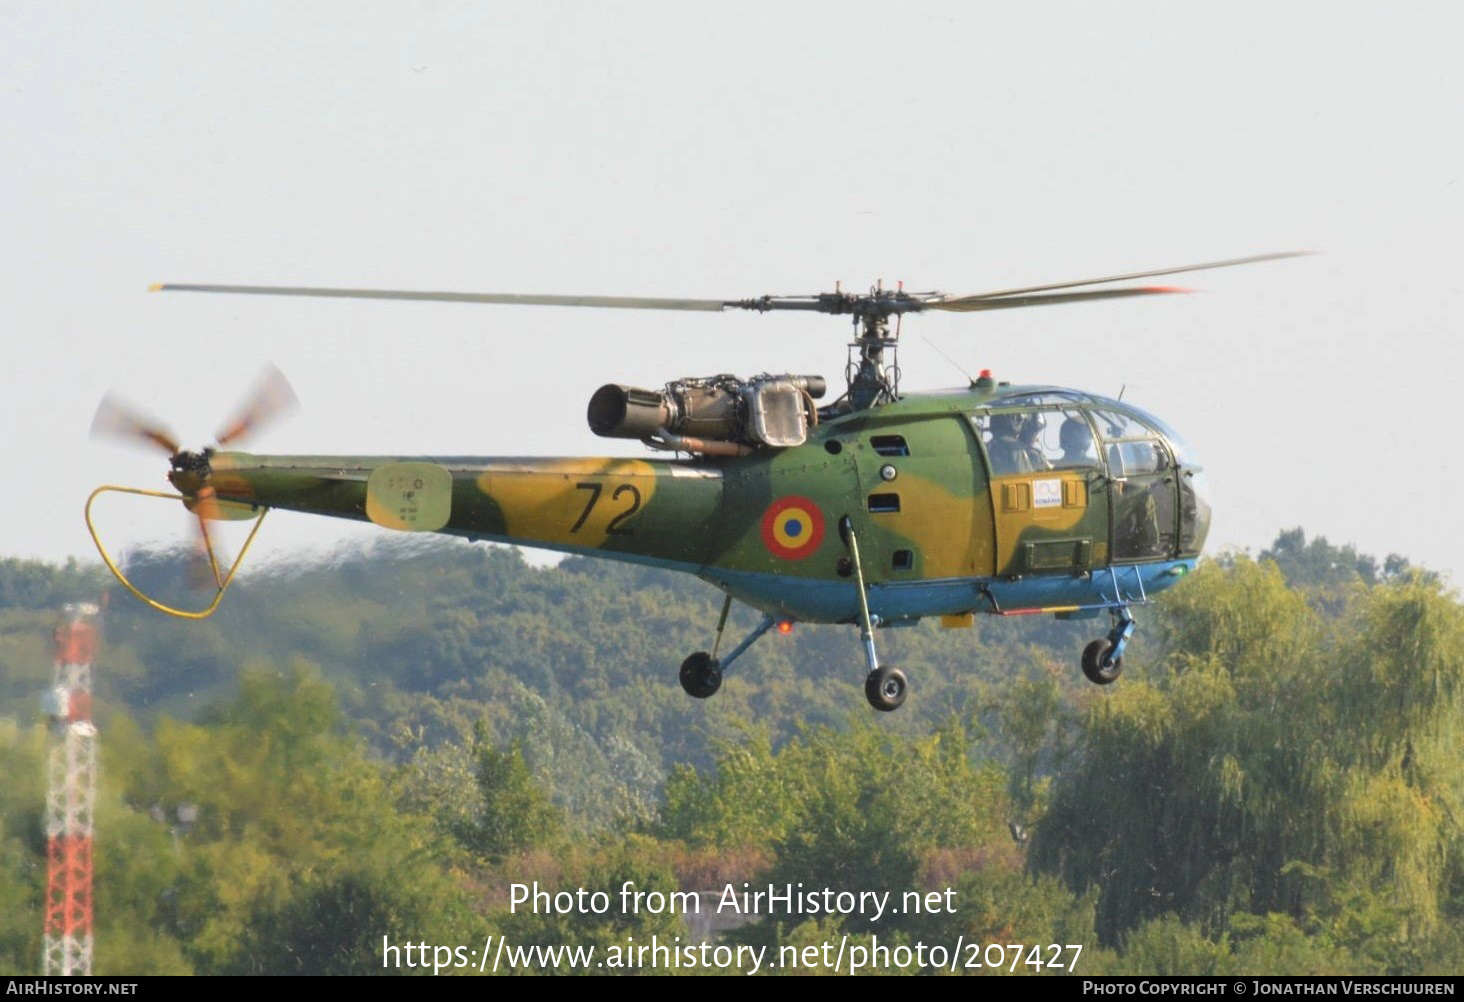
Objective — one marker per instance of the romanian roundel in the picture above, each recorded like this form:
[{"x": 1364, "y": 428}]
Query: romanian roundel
[{"x": 792, "y": 528}]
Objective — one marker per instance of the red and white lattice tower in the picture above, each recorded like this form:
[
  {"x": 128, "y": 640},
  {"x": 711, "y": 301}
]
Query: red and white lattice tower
[{"x": 71, "y": 796}]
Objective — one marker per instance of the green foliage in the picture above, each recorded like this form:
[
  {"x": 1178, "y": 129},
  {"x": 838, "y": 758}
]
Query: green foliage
[
  {"x": 442, "y": 783},
  {"x": 1328, "y": 572},
  {"x": 1318, "y": 563},
  {"x": 1272, "y": 944},
  {"x": 1278, "y": 762},
  {"x": 515, "y": 814},
  {"x": 813, "y": 786},
  {"x": 851, "y": 837},
  {"x": 1272, "y": 787},
  {"x": 1166, "y": 947},
  {"x": 854, "y": 810},
  {"x": 335, "y": 923},
  {"x": 1000, "y": 905},
  {"x": 1032, "y": 717},
  {"x": 422, "y": 640},
  {"x": 268, "y": 844},
  {"x": 22, "y": 849},
  {"x": 636, "y": 864},
  {"x": 32, "y": 584}
]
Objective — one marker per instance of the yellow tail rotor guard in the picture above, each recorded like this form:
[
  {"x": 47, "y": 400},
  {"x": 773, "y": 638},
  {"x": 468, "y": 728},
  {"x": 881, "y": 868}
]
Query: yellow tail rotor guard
[{"x": 223, "y": 581}]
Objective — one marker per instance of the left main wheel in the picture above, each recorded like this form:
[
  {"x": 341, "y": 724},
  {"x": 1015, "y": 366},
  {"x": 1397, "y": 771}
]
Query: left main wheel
[
  {"x": 886, "y": 688},
  {"x": 700, "y": 675}
]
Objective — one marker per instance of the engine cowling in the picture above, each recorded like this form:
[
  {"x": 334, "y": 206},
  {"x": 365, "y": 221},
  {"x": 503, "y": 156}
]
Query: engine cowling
[{"x": 762, "y": 412}]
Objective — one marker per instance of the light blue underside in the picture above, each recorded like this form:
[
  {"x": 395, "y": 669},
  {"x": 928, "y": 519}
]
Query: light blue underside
[{"x": 838, "y": 602}]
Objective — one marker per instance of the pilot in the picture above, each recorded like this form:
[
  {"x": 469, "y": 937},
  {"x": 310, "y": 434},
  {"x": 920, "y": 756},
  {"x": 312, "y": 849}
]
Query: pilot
[
  {"x": 1137, "y": 500},
  {"x": 1136, "y": 522},
  {"x": 1008, "y": 454},
  {"x": 1076, "y": 440},
  {"x": 1028, "y": 436}
]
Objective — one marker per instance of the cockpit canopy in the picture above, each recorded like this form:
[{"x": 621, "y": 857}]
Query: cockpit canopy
[{"x": 1032, "y": 431}]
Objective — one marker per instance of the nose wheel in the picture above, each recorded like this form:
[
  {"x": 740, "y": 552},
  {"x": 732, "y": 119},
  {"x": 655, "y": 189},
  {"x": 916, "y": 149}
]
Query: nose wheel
[
  {"x": 1099, "y": 664},
  {"x": 1103, "y": 659}
]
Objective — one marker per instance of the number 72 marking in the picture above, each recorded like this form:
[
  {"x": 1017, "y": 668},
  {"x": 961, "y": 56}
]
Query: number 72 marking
[{"x": 615, "y": 526}]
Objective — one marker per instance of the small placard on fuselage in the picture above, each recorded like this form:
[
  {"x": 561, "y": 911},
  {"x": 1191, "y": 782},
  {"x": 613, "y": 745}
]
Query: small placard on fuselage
[
  {"x": 412, "y": 497},
  {"x": 1047, "y": 494}
]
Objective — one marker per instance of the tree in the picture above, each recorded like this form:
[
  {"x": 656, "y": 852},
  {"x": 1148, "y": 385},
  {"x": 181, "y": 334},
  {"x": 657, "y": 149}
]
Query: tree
[
  {"x": 516, "y": 814},
  {"x": 294, "y": 845},
  {"x": 1277, "y": 762},
  {"x": 626, "y": 924},
  {"x": 1319, "y": 563}
]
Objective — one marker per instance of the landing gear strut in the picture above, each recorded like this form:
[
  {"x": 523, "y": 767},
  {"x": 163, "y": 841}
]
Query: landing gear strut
[
  {"x": 1103, "y": 658},
  {"x": 884, "y": 686},
  {"x": 701, "y": 673}
]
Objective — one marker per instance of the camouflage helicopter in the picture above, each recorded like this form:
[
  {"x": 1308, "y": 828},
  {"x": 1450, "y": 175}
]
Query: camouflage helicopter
[{"x": 877, "y": 510}]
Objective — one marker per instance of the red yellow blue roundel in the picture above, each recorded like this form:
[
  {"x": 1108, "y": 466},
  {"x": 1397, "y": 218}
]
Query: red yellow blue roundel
[{"x": 792, "y": 528}]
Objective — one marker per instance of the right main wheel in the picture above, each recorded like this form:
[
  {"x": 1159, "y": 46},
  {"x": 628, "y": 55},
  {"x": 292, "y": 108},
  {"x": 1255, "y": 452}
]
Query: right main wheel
[
  {"x": 885, "y": 688},
  {"x": 1099, "y": 664},
  {"x": 700, "y": 675}
]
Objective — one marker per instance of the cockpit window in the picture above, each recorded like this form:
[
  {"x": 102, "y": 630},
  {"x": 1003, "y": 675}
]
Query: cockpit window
[
  {"x": 1183, "y": 453},
  {"x": 1044, "y": 398},
  {"x": 1115, "y": 426},
  {"x": 1128, "y": 459},
  {"x": 1033, "y": 440},
  {"x": 1134, "y": 448},
  {"x": 1126, "y": 421},
  {"x": 1076, "y": 448}
]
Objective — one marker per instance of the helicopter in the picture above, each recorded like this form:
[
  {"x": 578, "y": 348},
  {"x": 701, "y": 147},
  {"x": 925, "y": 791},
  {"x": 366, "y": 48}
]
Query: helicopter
[{"x": 876, "y": 510}]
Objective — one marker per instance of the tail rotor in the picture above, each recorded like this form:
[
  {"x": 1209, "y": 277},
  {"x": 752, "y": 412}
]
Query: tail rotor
[{"x": 191, "y": 473}]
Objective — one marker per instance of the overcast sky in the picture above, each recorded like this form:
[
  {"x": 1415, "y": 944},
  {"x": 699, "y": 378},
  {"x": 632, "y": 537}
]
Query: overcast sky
[{"x": 675, "y": 149}]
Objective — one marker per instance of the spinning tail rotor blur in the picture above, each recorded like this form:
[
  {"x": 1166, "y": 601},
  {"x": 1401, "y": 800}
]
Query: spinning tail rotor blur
[{"x": 270, "y": 398}]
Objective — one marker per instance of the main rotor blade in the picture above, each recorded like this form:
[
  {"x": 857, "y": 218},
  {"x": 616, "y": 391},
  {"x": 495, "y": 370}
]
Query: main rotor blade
[
  {"x": 876, "y": 303},
  {"x": 505, "y": 299},
  {"x": 972, "y": 304},
  {"x": 271, "y": 397},
  {"x": 1207, "y": 266},
  {"x": 116, "y": 419}
]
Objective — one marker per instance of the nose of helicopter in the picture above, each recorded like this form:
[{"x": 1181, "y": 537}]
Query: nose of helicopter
[{"x": 1194, "y": 510}]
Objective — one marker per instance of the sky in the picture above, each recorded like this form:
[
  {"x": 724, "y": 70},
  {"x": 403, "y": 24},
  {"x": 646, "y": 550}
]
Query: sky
[{"x": 727, "y": 151}]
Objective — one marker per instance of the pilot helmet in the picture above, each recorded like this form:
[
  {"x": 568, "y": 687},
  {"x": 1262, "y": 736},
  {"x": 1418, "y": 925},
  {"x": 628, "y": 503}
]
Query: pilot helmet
[
  {"x": 1075, "y": 435},
  {"x": 1005, "y": 425}
]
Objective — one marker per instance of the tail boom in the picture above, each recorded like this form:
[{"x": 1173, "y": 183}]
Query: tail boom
[{"x": 628, "y": 508}]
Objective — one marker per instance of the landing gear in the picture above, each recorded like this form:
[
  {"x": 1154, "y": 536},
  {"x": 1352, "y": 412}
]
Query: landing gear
[
  {"x": 701, "y": 673},
  {"x": 1103, "y": 658},
  {"x": 701, "y": 676},
  {"x": 1099, "y": 664},
  {"x": 885, "y": 688}
]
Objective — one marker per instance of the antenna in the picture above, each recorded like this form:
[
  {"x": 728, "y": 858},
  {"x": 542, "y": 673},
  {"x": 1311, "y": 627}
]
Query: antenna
[
  {"x": 959, "y": 367},
  {"x": 70, "y": 797}
]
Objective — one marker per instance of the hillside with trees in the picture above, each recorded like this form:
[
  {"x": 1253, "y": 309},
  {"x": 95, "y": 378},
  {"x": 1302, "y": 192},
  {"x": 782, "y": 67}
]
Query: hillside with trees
[{"x": 381, "y": 744}]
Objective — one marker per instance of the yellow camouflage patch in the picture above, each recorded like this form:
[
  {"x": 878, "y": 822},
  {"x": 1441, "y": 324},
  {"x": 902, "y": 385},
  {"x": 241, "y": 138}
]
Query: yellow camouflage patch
[{"x": 579, "y": 502}]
